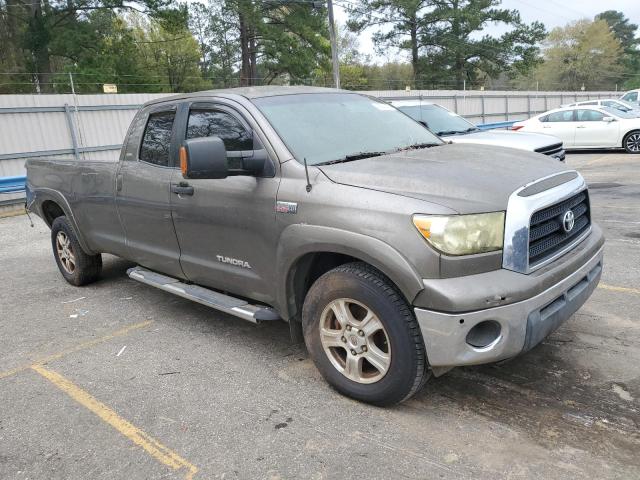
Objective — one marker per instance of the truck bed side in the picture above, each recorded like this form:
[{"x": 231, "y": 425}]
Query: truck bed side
[{"x": 84, "y": 192}]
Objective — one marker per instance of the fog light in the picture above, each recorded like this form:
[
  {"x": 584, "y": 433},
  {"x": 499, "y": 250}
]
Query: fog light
[{"x": 484, "y": 334}]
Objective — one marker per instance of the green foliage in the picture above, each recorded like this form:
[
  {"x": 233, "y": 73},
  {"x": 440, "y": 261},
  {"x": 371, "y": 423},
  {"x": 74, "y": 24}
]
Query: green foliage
[
  {"x": 625, "y": 32},
  {"x": 442, "y": 37},
  {"x": 583, "y": 53}
]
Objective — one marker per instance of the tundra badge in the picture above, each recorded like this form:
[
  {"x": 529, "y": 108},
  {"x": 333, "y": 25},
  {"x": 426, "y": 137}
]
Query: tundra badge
[{"x": 233, "y": 261}]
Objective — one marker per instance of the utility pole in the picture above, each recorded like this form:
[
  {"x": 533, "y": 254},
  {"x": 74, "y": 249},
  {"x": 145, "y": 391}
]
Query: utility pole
[{"x": 334, "y": 46}]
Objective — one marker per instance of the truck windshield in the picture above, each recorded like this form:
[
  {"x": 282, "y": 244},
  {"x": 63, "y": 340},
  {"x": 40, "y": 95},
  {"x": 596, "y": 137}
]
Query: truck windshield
[
  {"x": 332, "y": 127},
  {"x": 438, "y": 119}
]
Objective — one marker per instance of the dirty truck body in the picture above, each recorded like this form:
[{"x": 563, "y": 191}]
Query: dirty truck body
[{"x": 400, "y": 256}]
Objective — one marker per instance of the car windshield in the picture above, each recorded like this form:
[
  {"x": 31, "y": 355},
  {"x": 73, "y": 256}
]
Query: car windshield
[
  {"x": 438, "y": 119},
  {"x": 330, "y": 127},
  {"x": 614, "y": 112}
]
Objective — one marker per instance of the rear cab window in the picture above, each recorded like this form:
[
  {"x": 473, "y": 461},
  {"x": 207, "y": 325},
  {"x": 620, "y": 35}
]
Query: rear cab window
[{"x": 156, "y": 140}]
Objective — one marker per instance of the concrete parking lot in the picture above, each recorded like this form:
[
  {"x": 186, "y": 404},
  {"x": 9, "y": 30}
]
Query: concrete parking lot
[{"x": 119, "y": 380}]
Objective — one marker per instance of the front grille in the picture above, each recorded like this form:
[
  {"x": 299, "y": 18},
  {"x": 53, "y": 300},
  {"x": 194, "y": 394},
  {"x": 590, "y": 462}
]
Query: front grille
[
  {"x": 546, "y": 233},
  {"x": 550, "y": 149}
]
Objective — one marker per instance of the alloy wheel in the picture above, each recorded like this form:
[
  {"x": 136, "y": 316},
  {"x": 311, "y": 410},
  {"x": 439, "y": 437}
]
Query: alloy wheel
[
  {"x": 633, "y": 143},
  {"x": 65, "y": 252},
  {"x": 355, "y": 340}
]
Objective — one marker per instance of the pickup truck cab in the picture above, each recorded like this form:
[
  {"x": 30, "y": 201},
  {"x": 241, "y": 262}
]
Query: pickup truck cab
[{"x": 394, "y": 254}]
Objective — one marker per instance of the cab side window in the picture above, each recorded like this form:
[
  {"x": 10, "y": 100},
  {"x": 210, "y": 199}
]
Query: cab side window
[
  {"x": 631, "y": 97},
  {"x": 207, "y": 123},
  {"x": 156, "y": 141},
  {"x": 590, "y": 116},
  {"x": 563, "y": 116}
]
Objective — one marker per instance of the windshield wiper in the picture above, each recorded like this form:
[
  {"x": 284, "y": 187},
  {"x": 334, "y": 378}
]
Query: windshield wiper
[
  {"x": 418, "y": 146},
  {"x": 471, "y": 129},
  {"x": 352, "y": 157},
  {"x": 450, "y": 132}
]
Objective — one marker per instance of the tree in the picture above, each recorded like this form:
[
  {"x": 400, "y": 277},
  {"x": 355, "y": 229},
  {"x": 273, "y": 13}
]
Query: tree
[
  {"x": 399, "y": 23},
  {"x": 263, "y": 41},
  {"x": 625, "y": 32},
  {"x": 42, "y": 27},
  {"x": 215, "y": 27},
  {"x": 442, "y": 37},
  {"x": 173, "y": 54},
  {"x": 453, "y": 47},
  {"x": 583, "y": 53}
]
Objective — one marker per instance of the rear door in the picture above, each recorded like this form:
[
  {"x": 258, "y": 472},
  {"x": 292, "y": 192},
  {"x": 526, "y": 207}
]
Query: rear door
[
  {"x": 562, "y": 125},
  {"x": 592, "y": 131},
  {"x": 142, "y": 191},
  {"x": 227, "y": 228}
]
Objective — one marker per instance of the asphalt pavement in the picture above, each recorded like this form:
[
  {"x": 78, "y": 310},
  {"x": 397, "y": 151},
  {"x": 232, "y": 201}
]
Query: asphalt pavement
[{"x": 120, "y": 380}]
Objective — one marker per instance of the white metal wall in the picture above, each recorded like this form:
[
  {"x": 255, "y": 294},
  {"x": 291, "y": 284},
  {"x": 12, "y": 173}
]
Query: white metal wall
[{"x": 102, "y": 120}]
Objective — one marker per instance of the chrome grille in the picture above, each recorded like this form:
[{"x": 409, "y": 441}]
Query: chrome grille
[{"x": 546, "y": 233}]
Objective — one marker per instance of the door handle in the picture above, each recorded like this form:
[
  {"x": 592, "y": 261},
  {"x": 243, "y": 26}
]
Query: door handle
[
  {"x": 581, "y": 126},
  {"x": 118, "y": 182},
  {"x": 182, "y": 188}
]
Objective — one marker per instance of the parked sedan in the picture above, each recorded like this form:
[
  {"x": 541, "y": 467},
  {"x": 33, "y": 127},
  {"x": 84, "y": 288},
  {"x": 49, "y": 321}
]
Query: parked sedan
[
  {"x": 622, "y": 105},
  {"x": 588, "y": 127},
  {"x": 456, "y": 129}
]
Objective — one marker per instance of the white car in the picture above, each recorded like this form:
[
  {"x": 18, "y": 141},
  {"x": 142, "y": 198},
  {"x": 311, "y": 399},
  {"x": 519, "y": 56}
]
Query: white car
[
  {"x": 610, "y": 102},
  {"x": 587, "y": 127},
  {"x": 632, "y": 96},
  {"x": 456, "y": 129}
]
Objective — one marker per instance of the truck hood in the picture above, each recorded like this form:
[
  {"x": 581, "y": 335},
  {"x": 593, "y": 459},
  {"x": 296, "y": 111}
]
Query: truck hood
[
  {"x": 463, "y": 178},
  {"x": 505, "y": 138}
]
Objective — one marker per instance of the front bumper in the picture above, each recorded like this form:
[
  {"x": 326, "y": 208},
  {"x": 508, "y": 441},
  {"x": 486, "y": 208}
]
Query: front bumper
[{"x": 523, "y": 324}]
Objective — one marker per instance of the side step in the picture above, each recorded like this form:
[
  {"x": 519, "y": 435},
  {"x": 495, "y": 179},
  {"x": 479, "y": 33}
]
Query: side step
[{"x": 210, "y": 298}]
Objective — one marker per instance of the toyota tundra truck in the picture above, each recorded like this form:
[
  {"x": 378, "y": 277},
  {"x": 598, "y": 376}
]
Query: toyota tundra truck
[{"x": 394, "y": 255}]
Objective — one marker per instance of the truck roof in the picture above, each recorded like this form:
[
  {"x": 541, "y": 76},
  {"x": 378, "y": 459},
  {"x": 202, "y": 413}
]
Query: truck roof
[{"x": 250, "y": 92}]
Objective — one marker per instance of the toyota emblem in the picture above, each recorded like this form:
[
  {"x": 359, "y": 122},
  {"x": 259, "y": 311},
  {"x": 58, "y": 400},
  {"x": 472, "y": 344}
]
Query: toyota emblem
[{"x": 568, "y": 221}]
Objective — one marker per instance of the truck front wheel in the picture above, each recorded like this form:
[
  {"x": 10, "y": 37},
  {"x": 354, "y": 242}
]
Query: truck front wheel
[
  {"x": 75, "y": 265},
  {"x": 363, "y": 337}
]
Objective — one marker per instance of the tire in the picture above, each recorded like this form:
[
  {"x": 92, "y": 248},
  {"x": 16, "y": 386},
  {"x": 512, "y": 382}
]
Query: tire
[
  {"x": 398, "y": 367},
  {"x": 631, "y": 142},
  {"x": 74, "y": 264}
]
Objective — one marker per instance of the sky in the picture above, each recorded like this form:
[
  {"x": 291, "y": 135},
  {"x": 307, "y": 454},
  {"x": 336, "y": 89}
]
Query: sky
[{"x": 553, "y": 13}]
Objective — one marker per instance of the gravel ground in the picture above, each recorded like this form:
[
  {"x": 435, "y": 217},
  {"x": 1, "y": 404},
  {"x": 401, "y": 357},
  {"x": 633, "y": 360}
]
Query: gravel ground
[{"x": 135, "y": 383}]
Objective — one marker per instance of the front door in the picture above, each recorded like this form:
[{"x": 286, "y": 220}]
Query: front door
[
  {"x": 562, "y": 125},
  {"x": 227, "y": 228},
  {"x": 143, "y": 192},
  {"x": 593, "y": 131}
]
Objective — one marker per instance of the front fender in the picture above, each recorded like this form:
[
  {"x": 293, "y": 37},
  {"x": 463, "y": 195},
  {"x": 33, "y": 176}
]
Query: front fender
[{"x": 299, "y": 239}]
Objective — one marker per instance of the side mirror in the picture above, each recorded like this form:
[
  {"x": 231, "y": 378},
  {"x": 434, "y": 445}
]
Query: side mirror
[
  {"x": 204, "y": 158},
  {"x": 608, "y": 119}
]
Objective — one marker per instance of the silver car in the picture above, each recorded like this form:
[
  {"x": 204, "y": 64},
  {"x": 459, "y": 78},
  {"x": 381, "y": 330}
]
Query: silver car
[
  {"x": 622, "y": 105},
  {"x": 457, "y": 129}
]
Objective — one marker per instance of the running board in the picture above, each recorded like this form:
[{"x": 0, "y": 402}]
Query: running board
[{"x": 210, "y": 298}]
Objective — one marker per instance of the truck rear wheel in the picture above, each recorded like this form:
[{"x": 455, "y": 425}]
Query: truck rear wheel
[
  {"x": 363, "y": 336},
  {"x": 75, "y": 265}
]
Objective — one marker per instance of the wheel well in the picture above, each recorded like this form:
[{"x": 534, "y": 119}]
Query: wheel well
[
  {"x": 306, "y": 271},
  {"x": 51, "y": 210}
]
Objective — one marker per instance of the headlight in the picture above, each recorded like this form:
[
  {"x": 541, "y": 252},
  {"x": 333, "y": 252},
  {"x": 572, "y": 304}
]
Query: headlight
[{"x": 462, "y": 234}]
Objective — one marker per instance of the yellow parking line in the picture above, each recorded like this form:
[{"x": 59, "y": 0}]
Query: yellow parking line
[
  {"x": 620, "y": 289},
  {"x": 149, "y": 444},
  {"x": 81, "y": 346}
]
